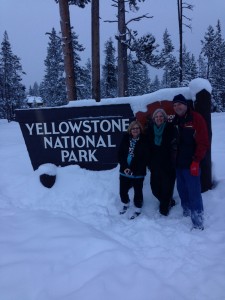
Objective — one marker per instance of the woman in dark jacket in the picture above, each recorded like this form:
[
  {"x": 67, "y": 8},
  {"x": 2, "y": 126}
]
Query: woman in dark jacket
[
  {"x": 132, "y": 158},
  {"x": 162, "y": 179}
]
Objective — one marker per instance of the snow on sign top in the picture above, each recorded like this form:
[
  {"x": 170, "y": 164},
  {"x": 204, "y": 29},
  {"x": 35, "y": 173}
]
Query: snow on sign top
[
  {"x": 139, "y": 103},
  {"x": 198, "y": 84}
]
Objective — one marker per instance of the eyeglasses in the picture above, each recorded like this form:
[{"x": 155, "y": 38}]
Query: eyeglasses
[{"x": 135, "y": 128}]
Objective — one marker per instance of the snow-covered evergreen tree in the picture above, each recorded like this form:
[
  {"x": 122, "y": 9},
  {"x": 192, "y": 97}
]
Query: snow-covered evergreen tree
[
  {"x": 202, "y": 67},
  {"x": 30, "y": 92},
  {"x": 1, "y": 89},
  {"x": 34, "y": 91},
  {"x": 145, "y": 49},
  {"x": 214, "y": 53},
  {"x": 218, "y": 68},
  {"x": 84, "y": 88},
  {"x": 12, "y": 90},
  {"x": 208, "y": 50},
  {"x": 77, "y": 47},
  {"x": 139, "y": 82},
  {"x": 189, "y": 67},
  {"x": 109, "y": 72},
  {"x": 155, "y": 85},
  {"x": 170, "y": 76},
  {"x": 53, "y": 87}
]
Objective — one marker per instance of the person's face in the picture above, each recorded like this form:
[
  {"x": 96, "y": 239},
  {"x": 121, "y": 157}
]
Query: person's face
[
  {"x": 180, "y": 108},
  {"x": 159, "y": 119},
  {"x": 135, "y": 131}
]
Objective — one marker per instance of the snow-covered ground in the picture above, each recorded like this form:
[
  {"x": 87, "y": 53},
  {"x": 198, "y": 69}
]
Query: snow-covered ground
[{"x": 70, "y": 243}]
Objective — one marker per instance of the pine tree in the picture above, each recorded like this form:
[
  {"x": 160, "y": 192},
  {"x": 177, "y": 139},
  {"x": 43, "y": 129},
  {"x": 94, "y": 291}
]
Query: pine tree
[
  {"x": 156, "y": 85},
  {"x": 170, "y": 78},
  {"x": 202, "y": 67},
  {"x": 193, "y": 68},
  {"x": 35, "y": 89},
  {"x": 189, "y": 67},
  {"x": 53, "y": 87},
  {"x": 218, "y": 68},
  {"x": 2, "y": 114},
  {"x": 30, "y": 93},
  {"x": 208, "y": 50},
  {"x": 109, "y": 72},
  {"x": 145, "y": 49},
  {"x": 12, "y": 90},
  {"x": 138, "y": 78},
  {"x": 79, "y": 3},
  {"x": 84, "y": 88},
  {"x": 214, "y": 54},
  {"x": 77, "y": 47}
]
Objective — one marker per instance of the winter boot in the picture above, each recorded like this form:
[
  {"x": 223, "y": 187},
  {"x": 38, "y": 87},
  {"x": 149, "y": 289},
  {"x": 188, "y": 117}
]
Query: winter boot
[
  {"x": 172, "y": 203},
  {"x": 124, "y": 209},
  {"x": 136, "y": 213}
]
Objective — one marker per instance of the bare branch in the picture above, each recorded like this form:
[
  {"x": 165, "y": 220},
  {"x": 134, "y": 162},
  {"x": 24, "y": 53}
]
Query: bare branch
[
  {"x": 131, "y": 20},
  {"x": 111, "y": 21},
  {"x": 187, "y": 6},
  {"x": 49, "y": 33},
  {"x": 188, "y": 26},
  {"x": 187, "y": 18},
  {"x": 139, "y": 18}
]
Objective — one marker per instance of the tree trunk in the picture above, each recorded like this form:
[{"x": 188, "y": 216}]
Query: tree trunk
[
  {"x": 180, "y": 20},
  {"x": 122, "y": 52},
  {"x": 95, "y": 50},
  {"x": 67, "y": 49}
]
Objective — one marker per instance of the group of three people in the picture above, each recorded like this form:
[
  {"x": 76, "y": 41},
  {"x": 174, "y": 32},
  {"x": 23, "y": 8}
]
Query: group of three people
[{"x": 172, "y": 151}]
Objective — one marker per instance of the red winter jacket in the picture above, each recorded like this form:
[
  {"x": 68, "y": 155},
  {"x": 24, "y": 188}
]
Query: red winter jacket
[{"x": 192, "y": 138}]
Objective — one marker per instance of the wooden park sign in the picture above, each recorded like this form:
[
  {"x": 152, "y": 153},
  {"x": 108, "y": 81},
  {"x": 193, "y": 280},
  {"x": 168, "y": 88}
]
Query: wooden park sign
[{"x": 86, "y": 136}]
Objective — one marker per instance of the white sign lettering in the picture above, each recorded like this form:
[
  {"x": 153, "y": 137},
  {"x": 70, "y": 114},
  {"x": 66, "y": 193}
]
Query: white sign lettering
[{"x": 78, "y": 140}]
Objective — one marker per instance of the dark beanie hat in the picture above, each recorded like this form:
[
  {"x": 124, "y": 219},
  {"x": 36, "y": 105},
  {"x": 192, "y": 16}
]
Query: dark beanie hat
[{"x": 180, "y": 98}]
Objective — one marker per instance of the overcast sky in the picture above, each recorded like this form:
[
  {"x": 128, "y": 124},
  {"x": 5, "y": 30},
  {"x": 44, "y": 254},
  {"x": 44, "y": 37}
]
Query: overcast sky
[{"x": 27, "y": 21}]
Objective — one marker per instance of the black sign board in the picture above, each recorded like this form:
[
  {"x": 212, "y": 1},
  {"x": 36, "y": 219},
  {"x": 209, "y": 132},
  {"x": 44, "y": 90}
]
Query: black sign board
[{"x": 87, "y": 136}]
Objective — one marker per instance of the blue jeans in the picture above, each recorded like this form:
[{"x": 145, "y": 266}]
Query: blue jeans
[{"x": 189, "y": 190}]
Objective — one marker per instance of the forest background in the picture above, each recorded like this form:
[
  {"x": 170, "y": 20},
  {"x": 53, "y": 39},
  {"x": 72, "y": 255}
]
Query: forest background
[{"x": 162, "y": 59}]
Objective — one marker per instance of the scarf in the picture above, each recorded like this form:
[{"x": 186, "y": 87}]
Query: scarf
[
  {"x": 131, "y": 149},
  {"x": 158, "y": 131}
]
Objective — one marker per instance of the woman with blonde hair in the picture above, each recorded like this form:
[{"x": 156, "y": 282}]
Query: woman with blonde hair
[
  {"x": 132, "y": 157},
  {"x": 161, "y": 143}
]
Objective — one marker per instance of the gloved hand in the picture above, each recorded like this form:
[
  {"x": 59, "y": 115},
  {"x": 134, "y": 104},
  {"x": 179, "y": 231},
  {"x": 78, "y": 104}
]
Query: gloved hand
[{"x": 194, "y": 168}]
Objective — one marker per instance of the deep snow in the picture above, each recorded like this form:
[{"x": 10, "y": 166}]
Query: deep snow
[{"x": 69, "y": 242}]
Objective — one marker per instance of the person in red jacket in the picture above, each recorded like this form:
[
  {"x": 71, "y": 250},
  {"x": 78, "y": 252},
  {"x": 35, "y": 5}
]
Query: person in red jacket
[{"x": 192, "y": 144}]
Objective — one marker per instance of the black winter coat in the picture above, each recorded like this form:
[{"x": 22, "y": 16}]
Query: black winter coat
[
  {"x": 161, "y": 156},
  {"x": 140, "y": 159}
]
